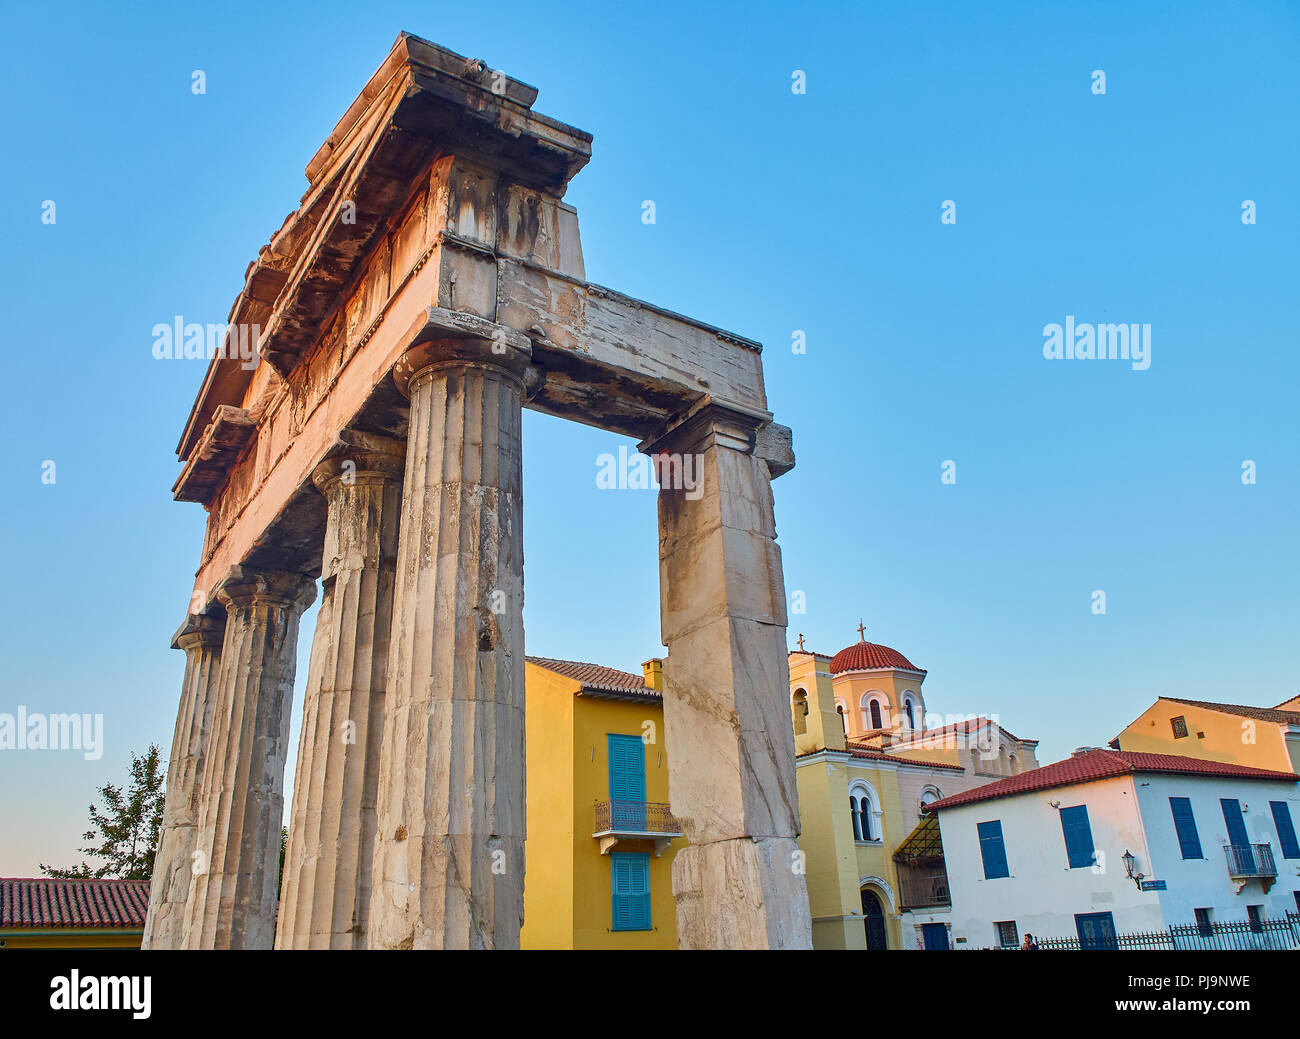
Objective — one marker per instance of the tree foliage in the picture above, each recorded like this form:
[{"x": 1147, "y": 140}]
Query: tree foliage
[{"x": 125, "y": 833}]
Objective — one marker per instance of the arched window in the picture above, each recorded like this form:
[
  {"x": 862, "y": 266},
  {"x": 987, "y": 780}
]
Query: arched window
[
  {"x": 871, "y": 717},
  {"x": 844, "y": 721},
  {"x": 929, "y": 795},
  {"x": 862, "y": 803},
  {"x": 1013, "y": 763},
  {"x": 800, "y": 709},
  {"x": 911, "y": 712}
]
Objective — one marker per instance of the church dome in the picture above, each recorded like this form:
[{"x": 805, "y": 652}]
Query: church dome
[{"x": 864, "y": 656}]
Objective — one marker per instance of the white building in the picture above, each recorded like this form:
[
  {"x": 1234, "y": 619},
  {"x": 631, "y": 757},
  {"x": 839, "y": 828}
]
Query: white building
[{"x": 1044, "y": 852}]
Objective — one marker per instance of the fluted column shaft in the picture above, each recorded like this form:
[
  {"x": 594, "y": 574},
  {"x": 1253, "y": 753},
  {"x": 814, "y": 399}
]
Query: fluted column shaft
[
  {"x": 449, "y": 858},
  {"x": 325, "y": 900},
  {"x": 232, "y": 904},
  {"x": 200, "y": 638}
]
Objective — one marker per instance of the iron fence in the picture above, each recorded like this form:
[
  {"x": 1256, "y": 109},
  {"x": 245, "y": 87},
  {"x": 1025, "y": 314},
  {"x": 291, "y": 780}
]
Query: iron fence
[
  {"x": 636, "y": 817},
  {"x": 1273, "y": 933}
]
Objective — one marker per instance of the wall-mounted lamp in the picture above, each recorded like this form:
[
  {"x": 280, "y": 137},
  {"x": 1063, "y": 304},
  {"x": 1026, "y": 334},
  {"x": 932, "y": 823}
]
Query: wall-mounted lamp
[{"x": 1129, "y": 862}]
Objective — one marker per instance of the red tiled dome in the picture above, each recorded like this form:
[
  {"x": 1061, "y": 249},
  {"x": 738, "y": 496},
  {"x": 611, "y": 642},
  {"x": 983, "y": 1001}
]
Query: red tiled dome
[{"x": 866, "y": 655}]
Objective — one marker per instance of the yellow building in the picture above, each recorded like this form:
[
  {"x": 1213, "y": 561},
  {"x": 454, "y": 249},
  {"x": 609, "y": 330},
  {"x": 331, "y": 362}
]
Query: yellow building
[
  {"x": 601, "y": 836},
  {"x": 866, "y": 763},
  {"x": 45, "y": 913},
  {"x": 1262, "y": 737}
]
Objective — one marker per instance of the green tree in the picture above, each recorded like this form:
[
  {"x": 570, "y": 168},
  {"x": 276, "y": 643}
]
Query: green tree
[{"x": 125, "y": 833}]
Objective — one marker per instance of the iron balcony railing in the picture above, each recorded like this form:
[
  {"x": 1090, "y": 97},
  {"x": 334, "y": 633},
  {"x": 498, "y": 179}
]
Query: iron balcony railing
[
  {"x": 1250, "y": 860},
  {"x": 636, "y": 817}
]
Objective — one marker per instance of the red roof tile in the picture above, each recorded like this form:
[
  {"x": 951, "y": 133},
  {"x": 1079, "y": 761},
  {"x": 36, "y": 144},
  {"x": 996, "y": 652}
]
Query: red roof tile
[
  {"x": 869, "y": 656},
  {"x": 871, "y": 754},
  {"x": 598, "y": 679},
  {"x": 966, "y": 728},
  {"x": 1262, "y": 714},
  {"x": 46, "y": 902},
  {"x": 1093, "y": 765},
  {"x": 1274, "y": 715}
]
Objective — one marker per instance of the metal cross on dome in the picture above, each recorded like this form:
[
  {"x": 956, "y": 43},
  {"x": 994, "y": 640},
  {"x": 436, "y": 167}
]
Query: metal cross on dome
[{"x": 862, "y": 631}]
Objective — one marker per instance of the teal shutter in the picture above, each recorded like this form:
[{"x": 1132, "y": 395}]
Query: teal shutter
[
  {"x": 1189, "y": 841},
  {"x": 992, "y": 850},
  {"x": 1078, "y": 836},
  {"x": 626, "y": 768},
  {"x": 630, "y": 881},
  {"x": 1285, "y": 829},
  {"x": 627, "y": 782}
]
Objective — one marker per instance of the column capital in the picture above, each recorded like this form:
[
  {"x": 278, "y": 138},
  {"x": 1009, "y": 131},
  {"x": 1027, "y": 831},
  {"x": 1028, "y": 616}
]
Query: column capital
[
  {"x": 710, "y": 423},
  {"x": 360, "y": 454},
  {"x": 243, "y": 587},
  {"x": 443, "y": 338},
  {"x": 199, "y": 630}
]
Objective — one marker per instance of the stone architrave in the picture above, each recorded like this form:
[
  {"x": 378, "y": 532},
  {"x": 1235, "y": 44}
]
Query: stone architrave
[
  {"x": 233, "y": 896},
  {"x": 326, "y": 894},
  {"x": 449, "y": 852},
  {"x": 200, "y": 638},
  {"x": 739, "y": 883}
]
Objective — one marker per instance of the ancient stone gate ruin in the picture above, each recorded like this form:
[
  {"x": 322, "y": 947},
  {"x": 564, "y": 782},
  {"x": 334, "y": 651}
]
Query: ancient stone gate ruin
[{"x": 429, "y": 286}]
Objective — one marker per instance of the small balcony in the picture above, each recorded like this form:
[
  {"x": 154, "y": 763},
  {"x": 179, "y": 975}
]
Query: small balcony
[
  {"x": 923, "y": 887},
  {"x": 1248, "y": 862},
  {"x": 922, "y": 874},
  {"x": 621, "y": 822}
]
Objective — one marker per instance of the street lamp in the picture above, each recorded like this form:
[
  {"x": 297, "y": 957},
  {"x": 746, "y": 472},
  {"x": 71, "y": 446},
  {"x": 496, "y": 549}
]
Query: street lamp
[{"x": 1129, "y": 863}]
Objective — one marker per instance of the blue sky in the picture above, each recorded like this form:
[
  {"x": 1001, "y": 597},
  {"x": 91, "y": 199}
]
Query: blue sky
[{"x": 775, "y": 212}]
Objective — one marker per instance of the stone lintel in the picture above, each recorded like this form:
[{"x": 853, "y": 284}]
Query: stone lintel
[
  {"x": 223, "y": 441},
  {"x": 423, "y": 102}
]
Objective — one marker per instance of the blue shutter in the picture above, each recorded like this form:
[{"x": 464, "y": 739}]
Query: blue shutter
[
  {"x": 630, "y": 883},
  {"x": 1285, "y": 829},
  {"x": 1189, "y": 841},
  {"x": 1078, "y": 836},
  {"x": 1237, "y": 835},
  {"x": 992, "y": 850}
]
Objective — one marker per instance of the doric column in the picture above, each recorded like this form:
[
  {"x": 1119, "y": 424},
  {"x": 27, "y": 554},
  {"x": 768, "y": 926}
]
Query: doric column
[
  {"x": 739, "y": 883},
  {"x": 200, "y": 638},
  {"x": 326, "y": 894},
  {"x": 232, "y": 902},
  {"x": 449, "y": 852}
]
